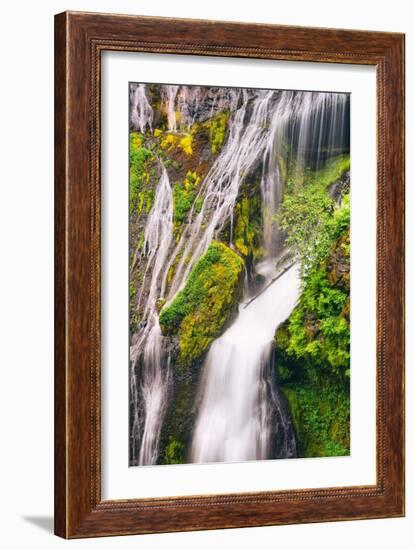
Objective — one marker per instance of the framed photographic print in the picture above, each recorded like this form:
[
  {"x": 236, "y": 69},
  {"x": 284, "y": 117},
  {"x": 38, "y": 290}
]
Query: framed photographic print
[{"x": 229, "y": 276}]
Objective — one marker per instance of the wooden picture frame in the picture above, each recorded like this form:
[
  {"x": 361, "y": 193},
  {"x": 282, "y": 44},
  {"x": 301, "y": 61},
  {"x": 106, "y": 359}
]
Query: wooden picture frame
[{"x": 79, "y": 40}]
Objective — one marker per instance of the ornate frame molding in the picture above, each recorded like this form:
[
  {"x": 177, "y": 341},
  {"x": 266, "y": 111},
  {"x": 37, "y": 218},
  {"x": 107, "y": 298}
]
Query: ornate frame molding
[{"x": 79, "y": 40}]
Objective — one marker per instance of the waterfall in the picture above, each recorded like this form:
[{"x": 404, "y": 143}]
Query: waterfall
[
  {"x": 320, "y": 129},
  {"x": 149, "y": 398},
  {"x": 240, "y": 411},
  {"x": 141, "y": 112},
  {"x": 239, "y": 408},
  {"x": 236, "y": 410},
  {"x": 170, "y": 93},
  {"x": 220, "y": 187}
]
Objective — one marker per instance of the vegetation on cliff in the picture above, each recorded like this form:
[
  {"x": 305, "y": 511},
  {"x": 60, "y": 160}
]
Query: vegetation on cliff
[
  {"x": 184, "y": 196},
  {"x": 207, "y": 302},
  {"x": 142, "y": 170},
  {"x": 247, "y": 226},
  {"x": 217, "y": 130},
  {"x": 312, "y": 346}
]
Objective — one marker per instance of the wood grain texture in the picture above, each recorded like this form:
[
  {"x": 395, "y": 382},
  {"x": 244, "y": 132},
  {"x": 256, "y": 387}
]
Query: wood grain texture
[
  {"x": 60, "y": 276},
  {"x": 79, "y": 40}
]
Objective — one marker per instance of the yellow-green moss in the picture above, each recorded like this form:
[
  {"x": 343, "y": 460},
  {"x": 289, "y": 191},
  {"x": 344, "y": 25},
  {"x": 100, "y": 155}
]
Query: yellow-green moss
[
  {"x": 171, "y": 141},
  {"x": 186, "y": 144},
  {"x": 247, "y": 225},
  {"x": 142, "y": 166},
  {"x": 321, "y": 416},
  {"x": 184, "y": 195},
  {"x": 297, "y": 177},
  {"x": 217, "y": 130},
  {"x": 172, "y": 269},
  {"x": 200, "y": 311},
  {"x": 174, "y": 452}
]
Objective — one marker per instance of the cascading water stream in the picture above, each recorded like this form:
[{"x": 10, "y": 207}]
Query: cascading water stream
[
  {"x": 149, "y": 398},
  {"x": 220, "y": 187},
  {"x": 240, "y": 410},
  {"x": 171, "y": 93},
  {"x": 141, "y": 111}
]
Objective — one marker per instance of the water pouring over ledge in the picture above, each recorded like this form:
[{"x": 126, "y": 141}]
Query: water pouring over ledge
[
  {"x": 260, "y": 123},
  {"x": 240, "y": 410}
]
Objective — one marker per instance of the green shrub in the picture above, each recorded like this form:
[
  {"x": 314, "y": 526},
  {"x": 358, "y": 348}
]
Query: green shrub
[
  {"x": 313, "y": 220},
  {"x": 313, "y": 345}
]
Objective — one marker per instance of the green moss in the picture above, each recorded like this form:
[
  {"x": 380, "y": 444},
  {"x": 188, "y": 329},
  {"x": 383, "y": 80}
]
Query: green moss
[
  {"x": 133, "y": 292},
  {"x": 200, "y": 311},
  {"x": 320, "y": 415},
  {"x": 145, "y": 200},
  {"x": 169, "y": 142},
  {"x": 332, "y": 171},
  {"x": 217, "y": 130},
  {"x": 160, "y": 303},
  {"x": 313, "y": 345},
  {"x": 297, "y": 177},
  {"x": 172, "y": 268},
  {"x": 140, "y": 240},
  {"x": 198, "y": 204},
  {"x": 184, "y": 195},
  {"x": 311, "y": 218},
  {"x": 174, "y": 452},
  {"x": 142, "y": 162},
  {"x": 178, "y": 426},
  {"x": 247, "y": 226},
  {"x": 150, "y": 195},
  {"x": 134, "y": 315},
  {"x": 313, "y": 357}
]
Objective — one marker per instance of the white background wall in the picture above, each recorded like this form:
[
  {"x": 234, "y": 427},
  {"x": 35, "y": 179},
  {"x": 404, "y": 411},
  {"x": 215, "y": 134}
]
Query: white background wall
[{"x": 26, "y": 272}]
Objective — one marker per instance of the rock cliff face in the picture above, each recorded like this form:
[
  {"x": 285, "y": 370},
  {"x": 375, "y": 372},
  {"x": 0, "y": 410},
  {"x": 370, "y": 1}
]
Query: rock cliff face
[
  {"x": 209, "y": 169},
  {"x": 182, "y": 130}
]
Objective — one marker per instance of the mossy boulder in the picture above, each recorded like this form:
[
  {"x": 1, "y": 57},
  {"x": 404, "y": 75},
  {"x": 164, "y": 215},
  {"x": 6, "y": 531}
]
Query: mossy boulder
[{"x": 208, "y": 301}]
